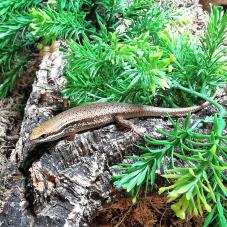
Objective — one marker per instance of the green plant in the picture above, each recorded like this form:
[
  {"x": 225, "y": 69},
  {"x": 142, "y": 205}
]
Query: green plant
[
  {"x": 195, "y": 187},
  {"x": 51, "y": 25},
  {"x": 115, "y": 70},
  {"x": 24, "y": 25},
  {"x": 126, "y": 67},
  {"x": 118, "y": 67},
  {"x": 134, "y": 78},
  {"x": 145, "y": 60},
  {"x": 148, "y": 16},
  {"x": 8, "y": 7},
  {"x": 199, "y": 186},
  {"x": 201, "y": 66},
  {"x": 13, "y": 42}
]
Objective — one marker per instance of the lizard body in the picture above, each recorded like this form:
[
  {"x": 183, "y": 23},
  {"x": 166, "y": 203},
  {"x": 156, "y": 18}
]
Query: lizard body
[{"x": 91, "y": 116}]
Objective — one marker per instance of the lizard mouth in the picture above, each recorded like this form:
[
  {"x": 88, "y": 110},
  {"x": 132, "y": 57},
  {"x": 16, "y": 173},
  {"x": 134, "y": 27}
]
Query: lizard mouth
[
  {"x": 37, "y": 133},
  {"x": 42, "y": 138}
]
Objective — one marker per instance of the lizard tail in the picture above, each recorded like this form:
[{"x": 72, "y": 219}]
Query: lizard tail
[{"x": 192, "y": 109}]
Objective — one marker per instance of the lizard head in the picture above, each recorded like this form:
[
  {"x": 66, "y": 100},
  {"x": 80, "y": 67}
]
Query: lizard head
[
  {"x": 38, "y": 133},
  {"x": 44, "y": 133}
]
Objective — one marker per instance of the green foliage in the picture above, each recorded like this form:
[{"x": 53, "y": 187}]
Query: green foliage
[
  {"x": 14, "y": 41},
  {"x": 12, "y": 68},
  {"x": 128, "y": 70},
  {"x": 143, "y": 171},
  {"x": 67, "y": 5},
  {"x": 218, "y": 214},
  {"x": 214, "y": 54},
  {"x": 194, "y": 188},
  {"x": 148, "y": 16},
  {"x": 215, "y": 35},
  {"x": 138, "y": 81},
  {"x": 110, "y": 9},
  {"x": 8, "y": 7},
  {"x": 94, "y": 9},
  {"x": 126, "y": 67},
  {"x": 25, "y": 23},
  {"x": 200, "y": 66},
  {"x": 50, "y": 24},
  {"x": 145, "y": 60},
  {"x": 199, "y": 186}
]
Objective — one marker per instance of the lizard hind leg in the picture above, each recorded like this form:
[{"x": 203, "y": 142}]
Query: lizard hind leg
[{"x": 119, "y": 119}]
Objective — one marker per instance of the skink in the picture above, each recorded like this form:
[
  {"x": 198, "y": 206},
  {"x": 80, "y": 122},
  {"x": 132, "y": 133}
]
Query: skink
[{"x": 91, "y": 116}]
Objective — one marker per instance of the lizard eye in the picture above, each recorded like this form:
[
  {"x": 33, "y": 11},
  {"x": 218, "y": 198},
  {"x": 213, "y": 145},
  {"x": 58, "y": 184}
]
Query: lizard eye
[
  {"x": 71, "y": 130},
  {"x": 43, "y": 136}
]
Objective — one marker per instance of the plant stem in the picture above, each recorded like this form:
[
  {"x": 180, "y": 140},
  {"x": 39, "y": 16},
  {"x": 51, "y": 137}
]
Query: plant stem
[{"x": 222, "y": 111}]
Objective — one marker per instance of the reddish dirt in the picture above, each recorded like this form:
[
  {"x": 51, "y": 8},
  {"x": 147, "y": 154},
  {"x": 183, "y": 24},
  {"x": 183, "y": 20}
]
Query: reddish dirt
[
  {"x": 206, "y": 3},
  {"x": 152, "y": 210}
]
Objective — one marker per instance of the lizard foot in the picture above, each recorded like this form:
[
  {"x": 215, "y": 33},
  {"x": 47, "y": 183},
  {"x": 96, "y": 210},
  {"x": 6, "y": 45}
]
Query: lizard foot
[{"x": 126, "y": 124}]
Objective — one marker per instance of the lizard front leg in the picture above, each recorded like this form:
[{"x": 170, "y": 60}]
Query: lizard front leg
[{"x": 119, "y": 119}]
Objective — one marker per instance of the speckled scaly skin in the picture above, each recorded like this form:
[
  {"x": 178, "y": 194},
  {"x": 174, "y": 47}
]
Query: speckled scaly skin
[{"x": 91, "y": 116}]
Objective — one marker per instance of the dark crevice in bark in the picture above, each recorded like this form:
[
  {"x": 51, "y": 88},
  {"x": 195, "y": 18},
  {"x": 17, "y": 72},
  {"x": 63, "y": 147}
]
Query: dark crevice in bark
[
  {"x": 29, "y": 193},
  {"x": 34, "y": 155}
]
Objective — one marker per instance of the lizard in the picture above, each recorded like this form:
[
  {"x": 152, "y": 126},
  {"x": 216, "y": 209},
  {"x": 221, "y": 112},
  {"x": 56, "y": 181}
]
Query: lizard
[{"x": 85, "y": 117}]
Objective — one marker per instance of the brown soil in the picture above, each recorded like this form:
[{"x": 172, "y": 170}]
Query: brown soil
[
  {"x": 206, "y": 3},
  {"x": 11, "y": 116},
  {"x": 152, "y": 210},
  {"x": 12, "y": 109}
]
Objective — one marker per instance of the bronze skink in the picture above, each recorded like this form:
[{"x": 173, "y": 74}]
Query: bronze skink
[{"x": 91, "y": 116}]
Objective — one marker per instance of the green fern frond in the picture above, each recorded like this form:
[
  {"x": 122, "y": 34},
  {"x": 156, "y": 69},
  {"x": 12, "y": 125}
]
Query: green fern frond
[
  {"x": 49, "y": 24},
  {"x": 9, "y": 7}
]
